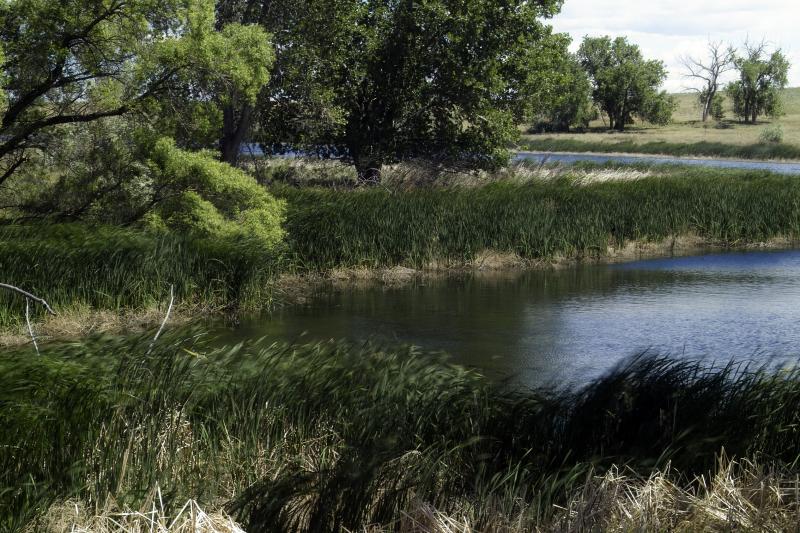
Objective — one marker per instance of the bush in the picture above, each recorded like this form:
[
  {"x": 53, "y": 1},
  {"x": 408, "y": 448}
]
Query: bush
[
  {"x": 213, "y": 199},
  {"x": 717, "y": 107},
  {"x": 772, "y": 134}
]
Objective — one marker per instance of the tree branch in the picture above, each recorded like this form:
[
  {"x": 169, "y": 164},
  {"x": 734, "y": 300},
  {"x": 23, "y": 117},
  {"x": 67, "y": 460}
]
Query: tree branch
[{"x": 28, "y": 295}]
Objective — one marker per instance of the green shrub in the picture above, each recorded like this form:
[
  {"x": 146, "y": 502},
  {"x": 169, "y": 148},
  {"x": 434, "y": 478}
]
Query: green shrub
[
  {"x": 717, "y": 107},
  {"x": 213, "y": 199},
  {"x": 771, "y": 134}
]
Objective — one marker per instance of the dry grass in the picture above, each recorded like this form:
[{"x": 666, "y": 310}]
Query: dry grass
[
  {"x": 740, "y": 496},
  {"x": 73, "y": 517},
  {"x": 687, "y": 128},
  {"x": 81, "y": 320}
]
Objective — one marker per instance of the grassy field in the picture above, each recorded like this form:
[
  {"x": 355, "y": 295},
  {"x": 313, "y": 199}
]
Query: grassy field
[
  {"x": 686, "y": 129},
  {"x": 331, "y": 437}
]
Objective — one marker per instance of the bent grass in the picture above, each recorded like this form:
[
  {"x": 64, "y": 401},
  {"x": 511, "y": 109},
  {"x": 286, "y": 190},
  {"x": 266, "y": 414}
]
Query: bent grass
[{"x": 332, "y": 437}]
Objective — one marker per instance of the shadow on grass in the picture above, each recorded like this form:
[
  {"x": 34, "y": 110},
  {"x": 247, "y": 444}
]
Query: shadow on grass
[{"x": 332, "y": 436}]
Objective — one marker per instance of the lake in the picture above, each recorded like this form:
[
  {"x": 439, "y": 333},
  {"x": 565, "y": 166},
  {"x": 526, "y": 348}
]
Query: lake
[{"x": 569, "y": 325}]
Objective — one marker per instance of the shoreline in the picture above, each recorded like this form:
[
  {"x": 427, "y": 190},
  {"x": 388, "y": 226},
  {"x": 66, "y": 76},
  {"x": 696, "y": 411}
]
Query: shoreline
[
  {"x": 650, "y": 155},
  {"x": 298, "y": 288}
]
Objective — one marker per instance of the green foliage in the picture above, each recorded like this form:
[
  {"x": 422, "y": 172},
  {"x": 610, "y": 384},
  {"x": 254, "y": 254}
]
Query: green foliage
[
  {"x": 354, "y": 436},
  {"x": 568, "y": 103},
  {"x": 624, "y": 83},
  {"x": 433, "y": 78},
  {"x": 539, "y": 219},
  {"x": 761, "y": 77},
  {"x": 104, "y": 267},
  {"x": 205, "y": 196},
  {"x": 717, "y": 110},
  {"x": 658, "y": 109},
  {"x": 78, "y": 61},
  {"x": 112, "y": 172},
  {"x": 772, "y": 134},
  {"x": 230, "y": 65}
]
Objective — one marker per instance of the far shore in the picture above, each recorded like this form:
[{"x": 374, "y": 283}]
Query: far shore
[{"x": 297, "y": 288}]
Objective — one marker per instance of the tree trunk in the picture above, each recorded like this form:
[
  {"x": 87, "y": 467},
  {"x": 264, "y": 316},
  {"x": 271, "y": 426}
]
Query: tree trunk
[
  {"x": 235, "y": 125},
  {"x": 369, "y": 171},
  {"x": 707, "y": 105}
]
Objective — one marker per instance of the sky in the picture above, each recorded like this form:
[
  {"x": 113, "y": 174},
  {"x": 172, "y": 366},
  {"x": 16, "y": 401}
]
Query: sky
[{"x": 668, "y": 29}]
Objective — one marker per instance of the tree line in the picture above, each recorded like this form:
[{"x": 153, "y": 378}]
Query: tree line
[
  {"x": 90, "y": 87},
  {"x": 761, "y": 74}
]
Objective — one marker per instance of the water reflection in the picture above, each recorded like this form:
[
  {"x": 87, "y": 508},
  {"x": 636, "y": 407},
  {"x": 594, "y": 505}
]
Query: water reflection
[{"x": 570, "y": 325}]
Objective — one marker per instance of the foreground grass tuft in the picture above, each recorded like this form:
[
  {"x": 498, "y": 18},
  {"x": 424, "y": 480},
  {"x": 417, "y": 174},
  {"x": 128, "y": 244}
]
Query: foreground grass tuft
[{"x": 331, "y": 437}]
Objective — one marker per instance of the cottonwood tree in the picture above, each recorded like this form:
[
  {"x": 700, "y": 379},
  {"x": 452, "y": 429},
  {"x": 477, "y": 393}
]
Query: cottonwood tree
[
  {"x": 762, "y": 74},
  {"x": 571, "y": 104},
  {"x": 78, "y": 61},
  {"x": 311, "y": 40},
  {"x": 719, "y": 60},
  {"x": 624, "y": 83},
  {"x": 377, "y": 81},
  {"x": 439, "y": 78}
]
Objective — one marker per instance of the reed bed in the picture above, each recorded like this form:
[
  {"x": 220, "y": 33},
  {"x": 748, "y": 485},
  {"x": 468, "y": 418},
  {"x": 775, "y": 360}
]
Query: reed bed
[
  {"x": 76, "y": 267},
  {"x": 527, "y": 213},
  {"x": 538, "y": 213},
  {"x": 331, "y": 436}
]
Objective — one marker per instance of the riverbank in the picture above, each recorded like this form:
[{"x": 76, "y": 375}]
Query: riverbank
[
  {"x": 775, "y": 152},
  {"x": 331, "y": 436},
  {"x": 103, "y": 279}
]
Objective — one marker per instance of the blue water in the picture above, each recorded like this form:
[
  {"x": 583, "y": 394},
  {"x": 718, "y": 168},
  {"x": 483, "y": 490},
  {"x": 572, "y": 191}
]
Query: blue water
[
  {"x": 572, "y": 324},
  {"x": 571, "y": 159},
  {"x": 254, "y": 150}
]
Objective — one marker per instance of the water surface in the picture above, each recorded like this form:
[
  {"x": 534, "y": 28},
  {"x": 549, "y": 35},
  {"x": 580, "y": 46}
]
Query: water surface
[
  {"x": 791, "y": 168},
  {"x": 566, "y": 326}
]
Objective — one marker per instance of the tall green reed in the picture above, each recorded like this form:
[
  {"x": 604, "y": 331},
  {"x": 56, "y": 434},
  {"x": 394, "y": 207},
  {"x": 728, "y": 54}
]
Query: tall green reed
[
  {"x": 538, "y": 219},
  {"x": 327, "y": 436}
]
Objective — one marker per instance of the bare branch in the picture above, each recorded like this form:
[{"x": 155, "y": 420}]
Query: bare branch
[
  {"x": 28, "y": 295},
  {"x": 28, "y": 321},
  {"x": 164, "y": 323}
]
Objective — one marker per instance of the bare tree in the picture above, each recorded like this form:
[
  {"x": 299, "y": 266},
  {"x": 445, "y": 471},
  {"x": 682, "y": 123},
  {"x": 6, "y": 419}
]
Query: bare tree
[{"x": 719, "y": 60}]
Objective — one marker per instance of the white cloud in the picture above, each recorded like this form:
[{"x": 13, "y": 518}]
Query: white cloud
[{"x": 668, "y": 29}]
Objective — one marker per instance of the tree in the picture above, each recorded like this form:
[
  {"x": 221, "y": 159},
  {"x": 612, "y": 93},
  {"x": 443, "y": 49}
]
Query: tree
[
  {"x": 376, "y": 81},
  {"x": 624, "y": 83},
  {"x": 297, "y": 108},
  {"x": 77, "y": 61},
  {"x": 719, "y": 61},
  {"x": 761, "y": 77},
  {"x": 440, "y": 78},
  {"x": 572, "y": 102}
]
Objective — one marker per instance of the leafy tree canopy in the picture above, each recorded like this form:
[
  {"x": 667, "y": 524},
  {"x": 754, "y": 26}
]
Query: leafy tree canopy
[
  {"x": 761, "y": 76},
  {"x": 624, "y": 83},
  {"x": 76, "y": 61},
  {"x": 381, "y": 80}
]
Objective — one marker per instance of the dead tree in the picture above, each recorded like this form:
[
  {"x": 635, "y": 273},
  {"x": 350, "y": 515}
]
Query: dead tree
[{"x": 719, "y": 61}]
